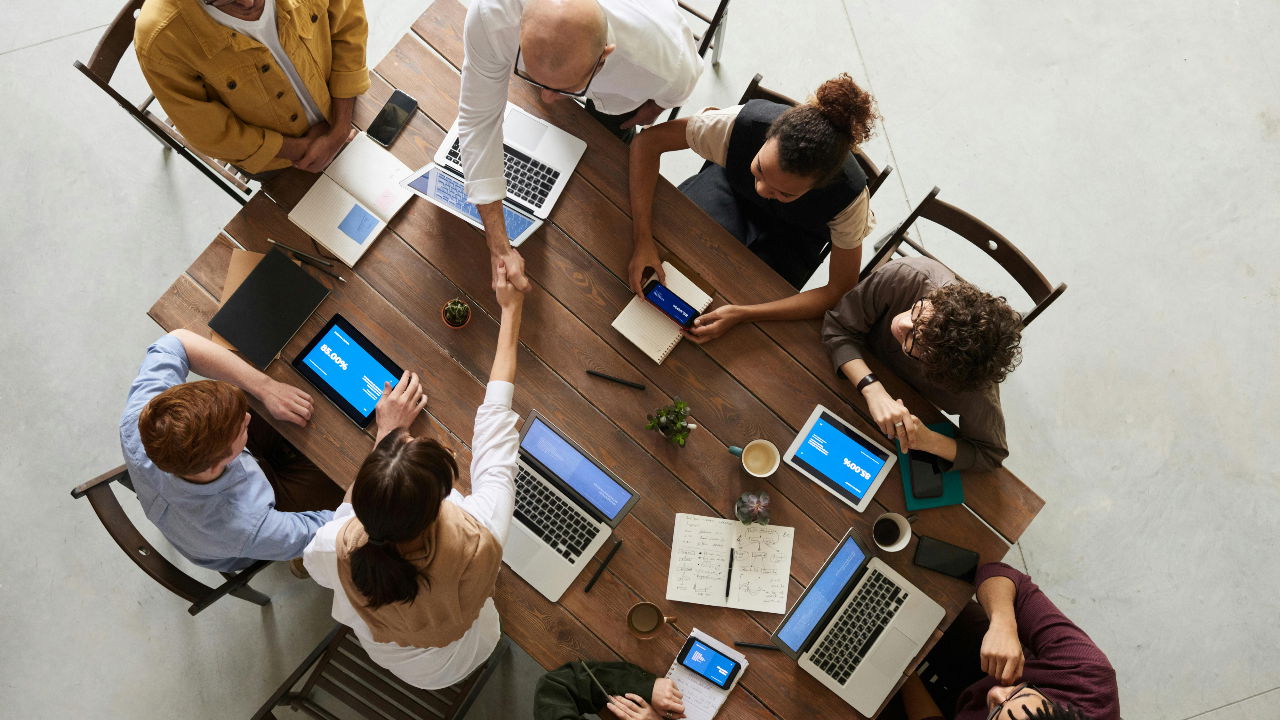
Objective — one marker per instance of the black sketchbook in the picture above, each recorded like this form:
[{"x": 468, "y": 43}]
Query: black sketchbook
[{"x": 268, "y": 308}]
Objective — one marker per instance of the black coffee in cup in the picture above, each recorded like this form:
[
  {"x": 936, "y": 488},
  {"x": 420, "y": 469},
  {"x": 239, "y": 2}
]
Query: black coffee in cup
[{"x": 886, "y": 531}]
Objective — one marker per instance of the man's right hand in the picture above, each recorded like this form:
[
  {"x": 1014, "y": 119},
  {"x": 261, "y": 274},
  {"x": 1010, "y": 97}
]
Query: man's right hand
[
  {"x": 891, "y": 415},
  {"x": 1001, "y": 654},
  {"x": 512, "y": 265},
  {"x": 398, "y": 406},
  {"x": 643, "y": 258},
  {"x": 509, "y": 297}
]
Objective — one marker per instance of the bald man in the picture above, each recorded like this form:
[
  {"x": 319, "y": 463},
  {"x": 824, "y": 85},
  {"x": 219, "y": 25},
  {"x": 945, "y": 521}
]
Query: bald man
[{"x": 629, "y": 58}]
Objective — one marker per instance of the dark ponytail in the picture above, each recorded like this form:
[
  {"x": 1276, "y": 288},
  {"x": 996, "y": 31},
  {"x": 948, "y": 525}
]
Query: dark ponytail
[
  {"x": 396, "y": 496},
  {"x": 814, "y": 138}
]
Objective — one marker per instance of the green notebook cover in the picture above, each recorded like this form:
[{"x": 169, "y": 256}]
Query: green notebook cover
[{"x": 952, "y": 488}]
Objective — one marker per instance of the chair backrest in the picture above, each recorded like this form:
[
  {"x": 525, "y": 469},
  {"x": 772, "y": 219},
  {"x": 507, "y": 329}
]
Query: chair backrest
[
  {"x": 713, "y": 23},
  {"x": 143, "y": 554},
  {"x": 875, "y": 176},
  {"x": 980, "y": 235},
  {"x": 345, "y": 673},
  {"x": 115, "y": 41}
]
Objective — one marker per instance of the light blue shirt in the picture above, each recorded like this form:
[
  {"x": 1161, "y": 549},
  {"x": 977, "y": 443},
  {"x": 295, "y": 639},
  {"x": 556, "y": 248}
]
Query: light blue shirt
[{"x": 222, "y": 525}]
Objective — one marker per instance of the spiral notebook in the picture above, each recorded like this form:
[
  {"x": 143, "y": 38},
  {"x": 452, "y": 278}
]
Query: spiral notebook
[
  {"x": 702, "y": 700},
  {"x": 648, "y": 328}
]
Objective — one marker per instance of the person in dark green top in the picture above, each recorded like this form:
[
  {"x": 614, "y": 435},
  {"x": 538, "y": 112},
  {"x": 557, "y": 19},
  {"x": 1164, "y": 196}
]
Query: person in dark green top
[{"x": 568, "y": 692}]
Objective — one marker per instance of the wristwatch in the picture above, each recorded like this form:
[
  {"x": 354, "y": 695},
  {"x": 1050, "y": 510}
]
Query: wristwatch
[{"x": 868, "y": 379}]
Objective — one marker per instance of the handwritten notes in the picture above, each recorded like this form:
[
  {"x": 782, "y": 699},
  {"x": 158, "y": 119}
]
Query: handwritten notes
[{"x": 700, "y": 564}]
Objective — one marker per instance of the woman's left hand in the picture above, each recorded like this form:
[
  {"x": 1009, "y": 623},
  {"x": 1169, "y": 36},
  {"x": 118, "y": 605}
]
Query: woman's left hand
[{"x": 711, "y": 325}]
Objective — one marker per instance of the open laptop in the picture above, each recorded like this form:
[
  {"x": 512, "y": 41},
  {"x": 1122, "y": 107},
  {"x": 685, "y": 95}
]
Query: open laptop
[
  {"x": 857, "y": 626},
  {"x": 538, "y": 160},
  {"x": 567, "y": 505}
]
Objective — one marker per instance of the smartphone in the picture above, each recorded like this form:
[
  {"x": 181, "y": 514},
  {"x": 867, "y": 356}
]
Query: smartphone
[
  {"x": 708, "y": 662},
  {"x": 926, "y": 476},
  {"x": 948, "y": 559},
  {"x": 668, "y": 302},
  {"x": 392, "y": 118}
]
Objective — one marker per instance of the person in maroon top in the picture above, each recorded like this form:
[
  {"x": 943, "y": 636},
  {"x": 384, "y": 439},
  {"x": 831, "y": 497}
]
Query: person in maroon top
[{"x": 1031, "y": 661}]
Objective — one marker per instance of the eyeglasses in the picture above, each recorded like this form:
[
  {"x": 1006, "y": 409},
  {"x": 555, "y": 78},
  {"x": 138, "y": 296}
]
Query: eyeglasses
[
  {"x": 1017, "y": 690},
  {"x": 909, "y": 345},
  {"x": 579, "y": 94}
]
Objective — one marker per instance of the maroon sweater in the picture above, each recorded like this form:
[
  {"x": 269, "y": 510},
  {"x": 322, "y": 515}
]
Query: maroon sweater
[{"x": 1061, "y": 660}]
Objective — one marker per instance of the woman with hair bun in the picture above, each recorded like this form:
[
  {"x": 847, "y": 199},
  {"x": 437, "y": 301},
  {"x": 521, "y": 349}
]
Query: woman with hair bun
[
  {"x": 412, "y": 561},
  {"x": 782, "y": 180}
]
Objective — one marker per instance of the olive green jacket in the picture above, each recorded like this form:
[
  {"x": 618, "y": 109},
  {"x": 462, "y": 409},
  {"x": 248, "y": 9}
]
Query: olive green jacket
[{"x": 567, "y": 692}]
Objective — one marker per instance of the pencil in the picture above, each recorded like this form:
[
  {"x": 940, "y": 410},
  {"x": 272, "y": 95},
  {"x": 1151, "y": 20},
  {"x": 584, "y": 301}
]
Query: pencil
[
  {"x": 306, "y": 260},
  {"x": 282, "y": 246},
  {"x": 620, "y": 381},
  {"x": 760, "y": 646},
  {"x": 600, "y": 570}
]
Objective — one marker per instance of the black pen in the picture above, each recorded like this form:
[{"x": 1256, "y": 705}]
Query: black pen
[
  {"x": 600, "y": 570},
  {"x": 306, "y": 260},
  {"x": 729, "y": 580},
  {"x": 760, "y": 646},
  {"x": 620, "y": 381},
  {"x": 282, "y": 246}
]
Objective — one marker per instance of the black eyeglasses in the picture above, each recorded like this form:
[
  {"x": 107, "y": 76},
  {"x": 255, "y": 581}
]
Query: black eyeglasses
[
  {"x": 1017, "y": 690},
  {"x": 579, "y": 94},
  {"x": 909, "y": 346}
]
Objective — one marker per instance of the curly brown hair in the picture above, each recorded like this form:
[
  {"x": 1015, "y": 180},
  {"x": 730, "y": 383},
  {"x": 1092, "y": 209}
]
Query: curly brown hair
[
  {"x": 814, "y": 138},
  {"x": 970, "y": 339}
]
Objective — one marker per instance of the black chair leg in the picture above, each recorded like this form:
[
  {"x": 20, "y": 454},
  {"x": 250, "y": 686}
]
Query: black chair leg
[{"x": 253, "y": 596}]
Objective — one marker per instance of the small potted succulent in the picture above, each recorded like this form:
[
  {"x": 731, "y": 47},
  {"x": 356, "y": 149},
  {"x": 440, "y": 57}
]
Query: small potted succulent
[
  {"x": 673, "y": 422},
  {"x": 456, "y": 313},
  {"x": 752, "y": 508}
]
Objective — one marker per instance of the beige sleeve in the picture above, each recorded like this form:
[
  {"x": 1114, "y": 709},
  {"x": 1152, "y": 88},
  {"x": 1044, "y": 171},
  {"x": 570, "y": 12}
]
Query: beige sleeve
[
  {"x": 853, "y": 224},
  {"x": 708, "y": 133}
]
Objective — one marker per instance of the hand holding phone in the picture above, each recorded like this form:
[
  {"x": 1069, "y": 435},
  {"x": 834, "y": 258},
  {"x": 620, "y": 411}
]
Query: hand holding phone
[{"x": 680, "y": 312}]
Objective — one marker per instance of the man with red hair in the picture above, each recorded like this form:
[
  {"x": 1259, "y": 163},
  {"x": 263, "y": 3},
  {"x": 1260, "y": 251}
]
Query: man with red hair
[{"x": 184, "y": 444}]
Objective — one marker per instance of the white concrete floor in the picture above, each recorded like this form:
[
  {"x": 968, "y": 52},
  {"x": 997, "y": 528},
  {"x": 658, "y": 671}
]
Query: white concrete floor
[{"x": 1131, "y": 149}]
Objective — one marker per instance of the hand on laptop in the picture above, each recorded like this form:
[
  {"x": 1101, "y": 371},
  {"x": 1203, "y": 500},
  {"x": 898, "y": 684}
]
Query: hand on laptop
[
  {"x": 1001, "y": 654},
  {"x": 285, "y": 402},
  {"x": 398, "y": 406},
  {"x": 711, "y": 325}
]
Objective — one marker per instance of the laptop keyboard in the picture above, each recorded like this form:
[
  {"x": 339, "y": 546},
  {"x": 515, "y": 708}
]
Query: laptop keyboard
[
  {"x": 527, "y": 179},
  {"x": 552, "y": 518},
  {"x": 858, "y": 627}
]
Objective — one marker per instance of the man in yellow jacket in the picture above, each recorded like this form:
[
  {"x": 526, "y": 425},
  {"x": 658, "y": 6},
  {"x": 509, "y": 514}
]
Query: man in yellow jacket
[{"x": 263, "y": 84}]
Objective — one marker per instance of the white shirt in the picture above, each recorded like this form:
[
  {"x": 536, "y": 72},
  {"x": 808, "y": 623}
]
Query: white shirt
[
  {"x": 494, "y": 449},
  {"x": 656, "y": 59},
  {"x": 264, "y": 31}
]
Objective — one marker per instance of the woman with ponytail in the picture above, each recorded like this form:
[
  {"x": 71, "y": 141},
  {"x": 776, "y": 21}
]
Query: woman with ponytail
[
  {"x": 412, "y": 561},
  {"x": 782, "y": 180}
]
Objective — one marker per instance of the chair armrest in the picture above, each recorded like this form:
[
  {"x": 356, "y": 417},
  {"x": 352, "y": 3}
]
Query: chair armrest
[{"x": 119, "y": 473}]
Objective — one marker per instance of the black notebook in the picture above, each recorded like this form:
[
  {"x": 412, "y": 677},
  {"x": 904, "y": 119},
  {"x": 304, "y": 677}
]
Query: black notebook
[{"x": 268, "y": 308}]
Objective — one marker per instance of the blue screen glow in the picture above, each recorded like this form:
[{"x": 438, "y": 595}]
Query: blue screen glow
[
  {"x": 840, "y": 456},
  {"x": 450, "y": 191},
  {"x": 824, "y": 591},
  {"x": 575, "y": 469},
  {"x": 675, "y": 308},
  {"x": 709, "y": 663},
  {"x": 349, "y": 369}
]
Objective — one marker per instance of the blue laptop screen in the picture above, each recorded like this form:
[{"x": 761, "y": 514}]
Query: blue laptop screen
[
  {"x": 349, "y": 369},
  {"x": 847, "y": 461},
  {"x": 449, "y": 190},
  {"x": 820, "y": 596},
  {"x": 575, "y": 469}
]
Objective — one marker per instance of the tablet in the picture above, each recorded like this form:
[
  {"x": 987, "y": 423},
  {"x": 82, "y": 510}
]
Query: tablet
[
  {"x": 347, "y": 369},
  {"x": 834, "y": 454}
]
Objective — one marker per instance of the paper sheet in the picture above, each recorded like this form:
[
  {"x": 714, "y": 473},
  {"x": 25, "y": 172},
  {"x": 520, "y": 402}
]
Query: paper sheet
[
  {"x": 701, "y": 699},
  {"x": 699, "y": 571}
]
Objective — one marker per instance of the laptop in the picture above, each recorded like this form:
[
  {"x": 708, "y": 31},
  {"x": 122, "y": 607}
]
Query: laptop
[
  {"x": 857, "y": 626},
  {"x": 538, "y": 160},
  {"x": 567, "y": 505}
]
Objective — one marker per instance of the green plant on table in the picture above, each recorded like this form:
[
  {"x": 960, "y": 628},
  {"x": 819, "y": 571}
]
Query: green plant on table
[
  {"x": 752, "y": 508},
  {"x": 457, "y": 312},
  {"x": 672, "y": 421}
]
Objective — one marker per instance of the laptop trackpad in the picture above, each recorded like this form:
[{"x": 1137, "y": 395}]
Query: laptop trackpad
[
  {"x": 894, "y": 652},
  {"x": 521, "y": 548},
  {"x": 522, "y": 131}
]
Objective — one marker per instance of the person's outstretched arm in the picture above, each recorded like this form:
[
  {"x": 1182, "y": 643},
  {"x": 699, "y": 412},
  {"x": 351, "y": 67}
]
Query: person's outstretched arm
[
  {"x": 642, "y": 175},
  {"x": 207, "y": 358}
]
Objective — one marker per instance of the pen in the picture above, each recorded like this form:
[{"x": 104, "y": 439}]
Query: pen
[
  {"x": 729, "y": 580},
  {"x": 600, "y": 570},
  {"x": 306, "y": 260},
  {"x": 760, "y": 646},
  {"x": 620, "y": 381},
  {"x": 282, "y": 246}
]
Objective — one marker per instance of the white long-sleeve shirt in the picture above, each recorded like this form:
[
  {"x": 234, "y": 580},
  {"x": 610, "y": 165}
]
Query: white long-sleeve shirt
[
  {"x": 656, "y": 58},
  {"x": 494, "y": 449}
]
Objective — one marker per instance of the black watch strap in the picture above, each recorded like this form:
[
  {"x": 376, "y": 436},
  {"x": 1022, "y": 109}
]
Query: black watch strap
[{"x": 868, "y": 379}]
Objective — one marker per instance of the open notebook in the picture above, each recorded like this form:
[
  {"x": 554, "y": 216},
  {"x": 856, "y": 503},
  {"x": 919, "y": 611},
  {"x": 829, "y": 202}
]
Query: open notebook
[
  {"x": 721, "y": 562},
  {"x": 353, "y": 200},
  {"x": 648, "y": 328}
]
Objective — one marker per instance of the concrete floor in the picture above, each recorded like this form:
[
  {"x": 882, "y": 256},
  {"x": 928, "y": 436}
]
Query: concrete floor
[{"x": 1131, "y": 149}]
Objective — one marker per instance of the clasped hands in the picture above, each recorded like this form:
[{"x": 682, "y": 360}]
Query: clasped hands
[
  {"x": 668, "y": 703},
  {"x": 322, "y": 144}
]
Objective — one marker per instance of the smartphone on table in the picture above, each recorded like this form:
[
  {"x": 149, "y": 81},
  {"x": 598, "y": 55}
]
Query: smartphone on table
[
  {"x": 708, "y": 662},
  {"x": 680, "y": 312},
  {"x": 934, "y": 554},
  {"x": 926, "y": 475},
  {"x": 392, "y": 118}
]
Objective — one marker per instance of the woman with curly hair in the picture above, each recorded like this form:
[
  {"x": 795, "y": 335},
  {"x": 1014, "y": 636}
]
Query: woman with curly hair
[
  {"x": 782, "y": 180},
  {"x": 951, "y": 341}
]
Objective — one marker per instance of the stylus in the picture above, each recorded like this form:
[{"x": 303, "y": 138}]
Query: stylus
[
  {"x": 620, "y": 381},
  {"x": 600, "y": 570},
  {"x": 282, "y": 246},
  {"x": 758, "y": 646}
]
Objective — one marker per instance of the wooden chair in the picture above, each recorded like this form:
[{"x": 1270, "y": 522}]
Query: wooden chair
[
  {"x": 144, "y": 555},
  {"x": 101, "y": 68},
  {"x": 875, "y": 176},
  {"x": 981, "y": 236},
  {"x": 711, "y": 38},
  {"x": 345, "y": 675}
]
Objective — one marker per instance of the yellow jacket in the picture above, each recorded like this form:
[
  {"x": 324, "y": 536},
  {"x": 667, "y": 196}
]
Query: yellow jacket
[{"x": 224, "y": 91}]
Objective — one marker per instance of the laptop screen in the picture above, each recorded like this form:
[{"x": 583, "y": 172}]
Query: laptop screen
[
  {"x": 576, "y": 470},
  {"x": 826, "y": 590},
  {"x": 449, "y": 190},
  {"x": 849, "y": 463}
]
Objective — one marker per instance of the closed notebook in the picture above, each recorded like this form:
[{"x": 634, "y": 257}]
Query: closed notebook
[
  {"x": 952, "y": 487},
  {"x": 268, "y": 308},
  {"x": 648, "y": 328}
]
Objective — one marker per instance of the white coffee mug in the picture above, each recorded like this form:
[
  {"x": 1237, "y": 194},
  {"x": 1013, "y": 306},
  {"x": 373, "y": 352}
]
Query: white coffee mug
[
  {"x": 900, "y": 524},
  {"x": 755, "y": 449}
]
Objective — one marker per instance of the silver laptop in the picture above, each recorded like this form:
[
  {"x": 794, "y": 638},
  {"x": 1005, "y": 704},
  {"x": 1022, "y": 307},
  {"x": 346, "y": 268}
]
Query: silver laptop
[
  {"x": 567, "y": 505},
  {"x": 857, "y": 626},
  {"x": 538, "y": 160}
]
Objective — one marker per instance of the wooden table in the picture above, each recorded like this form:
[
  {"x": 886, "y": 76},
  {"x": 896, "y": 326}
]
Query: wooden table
[{"x": 757, "y": 381}]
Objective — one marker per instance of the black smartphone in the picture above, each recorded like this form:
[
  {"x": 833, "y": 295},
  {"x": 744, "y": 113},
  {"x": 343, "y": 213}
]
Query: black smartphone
[
  {"x": 926, "y": 476},
  {"x": 392, "y": 118},
  {"x": 668, "y": 302},
  {"x": 708, "y": 662},
  {"x": 948, "y": 559}
]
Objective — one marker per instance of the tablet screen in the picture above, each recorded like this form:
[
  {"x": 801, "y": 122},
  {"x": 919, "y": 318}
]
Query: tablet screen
[
  {"x": 344, "y": 365},
  {"x": 832, "y": 451}
]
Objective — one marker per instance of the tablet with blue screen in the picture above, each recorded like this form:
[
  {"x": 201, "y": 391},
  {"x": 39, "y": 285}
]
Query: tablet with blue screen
[
  {"x": 347, "y": 369},
  {"x": 844, "y": 461}
]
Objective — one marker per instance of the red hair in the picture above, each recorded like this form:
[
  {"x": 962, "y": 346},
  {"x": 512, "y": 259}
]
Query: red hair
[{"x": 189, "y": 427}]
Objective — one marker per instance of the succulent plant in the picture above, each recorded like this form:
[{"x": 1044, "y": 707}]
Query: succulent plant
[
  {"x": 752, "y": 507},
  {"x": 672, "y": 421},
  {"x": 457, "y": 312}
]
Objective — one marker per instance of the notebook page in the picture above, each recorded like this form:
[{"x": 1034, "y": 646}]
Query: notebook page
[
  {"x": 702, "y": 700},
  {"x": 372, "y": 175},
  {"x": 337, "y": 220},
  {"x": 761, "y": 568},
  {"x": 699, "y": 571}
]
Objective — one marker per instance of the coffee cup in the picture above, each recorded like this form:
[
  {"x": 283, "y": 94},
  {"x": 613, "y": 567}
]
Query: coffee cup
[
  {"x": 891, "y": 532},
  {"x": 644, "y": 619},
  {"x": 759, "y": 458}
]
